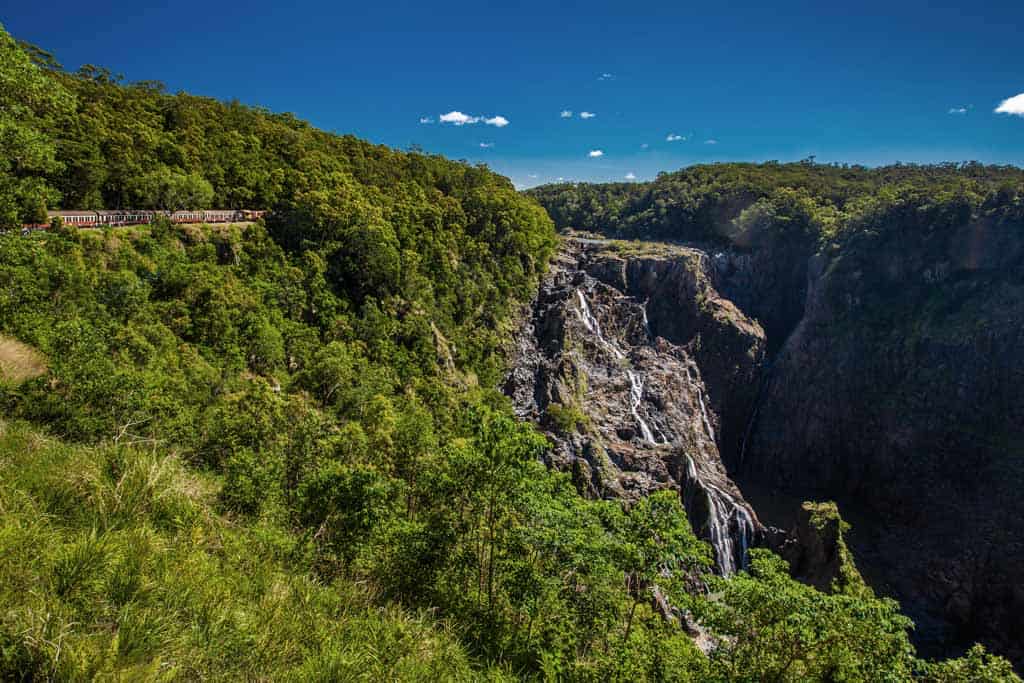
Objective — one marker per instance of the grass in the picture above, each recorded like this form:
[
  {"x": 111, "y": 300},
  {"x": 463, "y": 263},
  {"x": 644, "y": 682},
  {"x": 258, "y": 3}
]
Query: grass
[
  {"x": 115, "y": 566},
  {"x": 19, "y": 362}
]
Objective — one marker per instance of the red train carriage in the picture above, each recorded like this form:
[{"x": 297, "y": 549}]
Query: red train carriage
[
  {"x": 115, "y": 217},
  {"x": 223, "y": 216},
  {"x": 79, "y": 219},
  {"x": 187, "y": 217}
]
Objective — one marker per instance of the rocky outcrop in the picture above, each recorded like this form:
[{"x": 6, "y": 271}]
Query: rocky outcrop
[
  {"x": 683, "y": 305},
  {"x": 629, "y": 362},
  {"x": 816, "y": 549}
]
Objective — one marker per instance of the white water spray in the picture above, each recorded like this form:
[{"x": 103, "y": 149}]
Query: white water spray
[
  {"x": 636, "y": 393},
  {"x": 724, "y": 513},
  {"x": 593, "y": 326},
  {"x": 704, "y": 415}
]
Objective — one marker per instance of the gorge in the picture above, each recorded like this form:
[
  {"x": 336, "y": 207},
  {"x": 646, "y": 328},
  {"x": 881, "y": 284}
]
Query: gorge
[{"x": 889, "y": 380}]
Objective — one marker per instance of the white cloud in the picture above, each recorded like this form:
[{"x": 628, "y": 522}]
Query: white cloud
[
  {"x": 606, "y": 77},
  {"x": 566, "y": 114},
  {"x": 426, "y": 119},
  {"x": 486, "y": 145},
  {"x": 533, "y": 175},
  {"x": 672, "y": 137},
  {"x": 711, "y": 142},
  {"x": 587, "y": 114},
  {"x": 1013, "y": 105},
  {"x": 458, "y": 118},
  {"x": 644, "y": 146},
  {"x": 958, "y": 110},
  {"x": 594, "y": 153},
  {"x": 631, "y": 176}
]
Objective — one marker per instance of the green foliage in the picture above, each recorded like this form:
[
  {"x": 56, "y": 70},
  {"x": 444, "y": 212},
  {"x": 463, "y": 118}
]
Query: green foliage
[
  {"x": 343, "y": 504},
  {"x": 746, "y": 204},
  {"x": 164, "y": 188},
  {"x": 30, "y": 102},
  {"x": 976, "y": 665},
  {"x": 123, "y": 571},
  {"x": 773, "y": 628},
  {"x": 566, "y": 418}
]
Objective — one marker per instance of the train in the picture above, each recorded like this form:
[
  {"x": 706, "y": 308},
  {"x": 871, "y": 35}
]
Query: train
[{"x": 101, "y": 218}]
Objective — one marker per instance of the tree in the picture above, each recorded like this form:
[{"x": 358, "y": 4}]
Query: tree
[
  {"x": 29, "y": 100},
  {"x": 658, "y": 548},
  {"x": 772, "y": 628},
  {"x": 164, "y": 188}
]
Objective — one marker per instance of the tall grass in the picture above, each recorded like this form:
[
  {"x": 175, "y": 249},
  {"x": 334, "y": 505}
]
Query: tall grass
[{"x": 113, "y": 565}]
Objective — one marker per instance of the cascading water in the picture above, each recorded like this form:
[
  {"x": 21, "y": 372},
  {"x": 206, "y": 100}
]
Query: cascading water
[
  {"x": 593, "y": 326},
  {"x": 589, "y": 321},
  {"x": 636, "y": 382},
  {"x": 703, "y": 407},
  {"x": 724, "y": 514},
  {"x": 704, "y": 415},
  {"x": 636, "y": 393}
]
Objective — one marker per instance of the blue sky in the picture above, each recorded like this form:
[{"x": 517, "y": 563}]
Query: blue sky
[{"x": 870, "y": 82}]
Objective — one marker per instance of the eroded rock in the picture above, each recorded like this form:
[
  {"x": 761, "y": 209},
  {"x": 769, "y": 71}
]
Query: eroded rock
[{"x": 633, "y": 399}]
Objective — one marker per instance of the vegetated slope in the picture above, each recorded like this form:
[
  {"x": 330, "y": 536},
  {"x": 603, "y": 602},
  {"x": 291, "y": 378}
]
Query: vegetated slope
[
  {"x": 290, "y": 409},
  {"x": 117, "y": 562},
  {"x": 891, "y": 299}
]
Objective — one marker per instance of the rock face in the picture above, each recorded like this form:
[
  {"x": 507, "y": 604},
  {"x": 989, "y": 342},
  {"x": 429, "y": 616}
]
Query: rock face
[
  {"x": 632, "y": 364},
  {"x": 816, "y": 550},
  {"x": 900, "y": 393}
]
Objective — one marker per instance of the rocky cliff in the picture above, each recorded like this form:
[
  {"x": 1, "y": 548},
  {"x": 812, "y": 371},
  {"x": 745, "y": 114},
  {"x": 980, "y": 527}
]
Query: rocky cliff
[
  {"x": 632, "y": 363},
  {"x": 897, "y": 389},
  {"x": 901, "y": 394}
]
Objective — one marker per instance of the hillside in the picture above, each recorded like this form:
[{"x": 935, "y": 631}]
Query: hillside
[{"x": 278, "y": 451}]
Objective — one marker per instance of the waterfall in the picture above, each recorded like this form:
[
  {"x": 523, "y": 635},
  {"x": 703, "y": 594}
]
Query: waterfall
[
  {"x": 724, "y": 514},
  {"x": 636, "y": 392},
  {"x": 589, "y": 321},
  {"x": 593, "y": 326},
  {"x": 636, "y": 382},
  {"x": 709, "y": 430},
  {"x": 704, "y": 414}
]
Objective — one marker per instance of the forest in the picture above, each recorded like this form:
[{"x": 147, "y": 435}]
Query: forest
[
  {"x": 277, "y": 451},
  {"x": 717, "y": 203}
]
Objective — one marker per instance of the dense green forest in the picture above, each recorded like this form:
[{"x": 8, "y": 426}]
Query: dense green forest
[
  {"x": 739, "y": 202},
  {"x": 275, "y": 451}
]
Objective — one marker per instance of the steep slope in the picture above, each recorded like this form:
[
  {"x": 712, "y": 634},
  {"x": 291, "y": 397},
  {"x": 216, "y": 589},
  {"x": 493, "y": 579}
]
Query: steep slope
[
  {"x": 291, "y": 409},
  {"x": 117, "y": 565}
]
